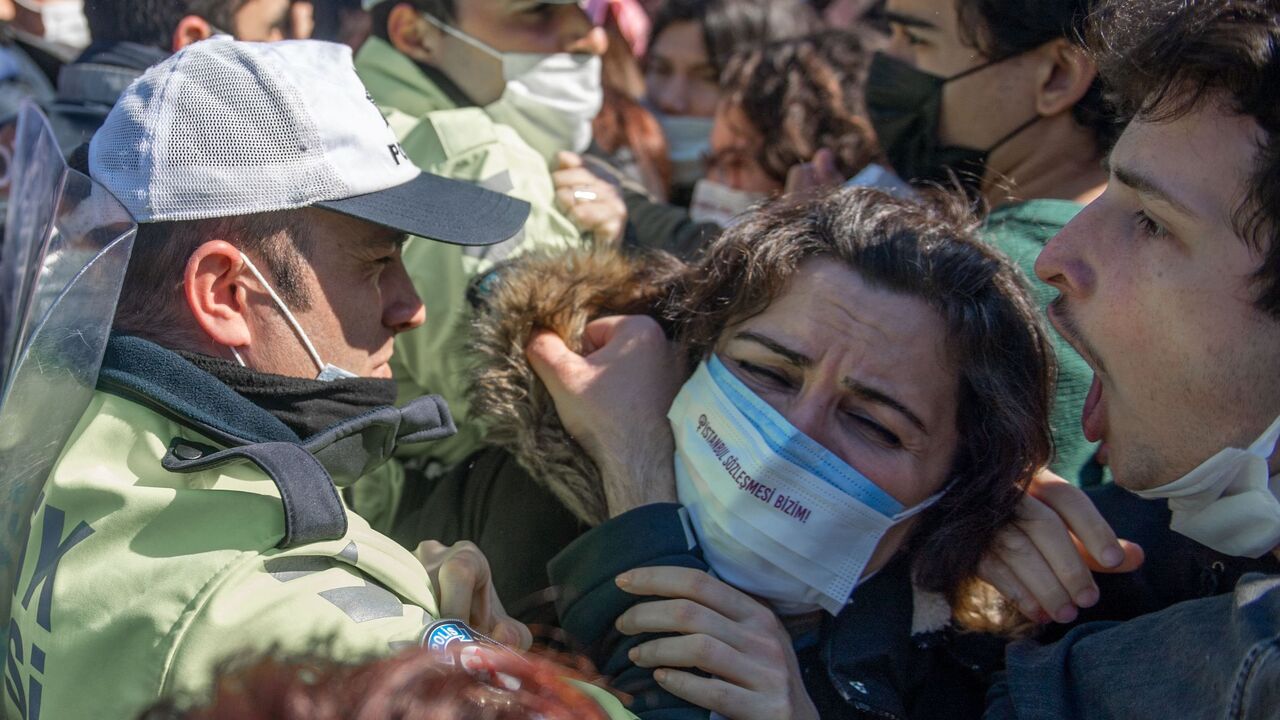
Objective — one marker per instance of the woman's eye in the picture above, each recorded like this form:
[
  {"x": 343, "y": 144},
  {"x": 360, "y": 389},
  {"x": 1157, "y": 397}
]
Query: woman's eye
[
  {"x": 659, "y": 70},
  {"x": 763, "y": 374},
  {"x": 1149, "y": 226},
  {"x": 881, "y": 434}
]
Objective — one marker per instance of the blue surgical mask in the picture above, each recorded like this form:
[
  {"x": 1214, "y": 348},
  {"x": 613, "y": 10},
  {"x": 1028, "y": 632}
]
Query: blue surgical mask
[
  {"x": 688, "y": 143},
  {"x": 777, "y": 515}
]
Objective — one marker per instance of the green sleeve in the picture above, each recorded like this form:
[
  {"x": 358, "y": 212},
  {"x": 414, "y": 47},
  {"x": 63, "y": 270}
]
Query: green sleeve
[{"x": 290, "y": 605}]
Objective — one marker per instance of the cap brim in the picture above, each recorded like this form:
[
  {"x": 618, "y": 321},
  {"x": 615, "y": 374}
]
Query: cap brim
[{"x": 441, "y": 209}]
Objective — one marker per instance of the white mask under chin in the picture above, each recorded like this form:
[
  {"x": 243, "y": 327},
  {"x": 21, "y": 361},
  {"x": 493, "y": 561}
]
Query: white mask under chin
[
  {"x": 716, "y": 203},
  {"x": 1229, "y": 502},
  {"x": 328, "y": 371},
  {"x": 550, "y": 99}
]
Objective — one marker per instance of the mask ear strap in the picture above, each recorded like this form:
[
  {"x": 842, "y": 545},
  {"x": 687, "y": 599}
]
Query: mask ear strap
[
  {"x": 293, "y": 322},
  {"x": 985, "y": 65},
  {"x": 450, "y": 30},
  {"x": 1012, "y": 134}
]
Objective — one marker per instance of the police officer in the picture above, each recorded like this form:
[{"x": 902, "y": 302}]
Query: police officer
[{"x": 193, "y": 515}]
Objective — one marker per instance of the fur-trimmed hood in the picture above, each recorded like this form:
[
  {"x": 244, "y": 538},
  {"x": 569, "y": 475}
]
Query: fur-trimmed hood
[{"x": 562, "y": 293}]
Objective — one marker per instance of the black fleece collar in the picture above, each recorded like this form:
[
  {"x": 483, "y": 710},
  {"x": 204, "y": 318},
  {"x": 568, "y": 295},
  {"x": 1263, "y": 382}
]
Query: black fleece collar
[
  {"x": 123, "y": 54},
  {"x": 308, "y": 407},
  {"x": 160, "y": 379},
  {"x": 143, "y": 372}
]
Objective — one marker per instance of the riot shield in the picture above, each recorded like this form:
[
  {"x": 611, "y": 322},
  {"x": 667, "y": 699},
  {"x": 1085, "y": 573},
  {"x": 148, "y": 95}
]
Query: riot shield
[{"x": 66, "y": 248}]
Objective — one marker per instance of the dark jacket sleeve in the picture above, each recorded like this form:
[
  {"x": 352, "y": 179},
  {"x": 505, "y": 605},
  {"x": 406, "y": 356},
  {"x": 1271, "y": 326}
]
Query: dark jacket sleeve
[
  {"x": 1213, "y": 658},
  {"x": 656, "y": 225},
  {"x": 590, "y": 601},
  {"x": 651, "y": 224},
  {"x": 873, "y": 666}
]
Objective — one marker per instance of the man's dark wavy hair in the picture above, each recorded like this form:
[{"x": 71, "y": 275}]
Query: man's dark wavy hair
[
  {"x": 1164, "y": 59},
  {"x": 1003, "y": 28},
  {"x": 153, "y": 22}
]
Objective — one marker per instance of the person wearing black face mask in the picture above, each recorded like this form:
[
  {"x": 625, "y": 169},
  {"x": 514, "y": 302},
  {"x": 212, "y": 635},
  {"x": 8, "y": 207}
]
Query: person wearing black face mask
[
  {"x": 998, "y": 97},
  {"x": 907, "y": 110}
]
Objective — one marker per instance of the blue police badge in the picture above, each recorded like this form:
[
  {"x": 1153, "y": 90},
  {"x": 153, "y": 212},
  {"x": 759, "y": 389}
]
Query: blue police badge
[{"x": 443, "y": 633}]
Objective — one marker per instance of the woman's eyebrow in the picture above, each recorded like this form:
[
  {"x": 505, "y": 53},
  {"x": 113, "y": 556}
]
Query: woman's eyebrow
[
  {"x": 880, "y": 397},
  {"x": 793, "y": 357},
  {"x": 862, "y": 390}
]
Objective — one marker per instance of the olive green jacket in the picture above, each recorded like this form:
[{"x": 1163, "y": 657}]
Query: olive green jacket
[
  {"x": 183, "y": 526},
  {"x": 466, "y": 144}
]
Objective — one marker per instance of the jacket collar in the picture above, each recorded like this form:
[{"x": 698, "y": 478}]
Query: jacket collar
[
  {"x": 102, "y": 72},
  {"x": 394, "y": 80},
  {"x": 143, "y": 372},
  {"x": 158, "y": 378},
  {"x": 131, "y": 55}
]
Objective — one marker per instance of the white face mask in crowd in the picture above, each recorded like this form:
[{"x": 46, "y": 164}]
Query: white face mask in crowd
[
  {"x": 328, "y": 372},
  {"x": 776, "y": 514},
  {"x": 1229, "y": 502},
  {"x": 717, "y": 203},
  {"x": 550, "y": 99},
  {"x": 63, "y": 20},
  {"x": 688, "y": 142}
]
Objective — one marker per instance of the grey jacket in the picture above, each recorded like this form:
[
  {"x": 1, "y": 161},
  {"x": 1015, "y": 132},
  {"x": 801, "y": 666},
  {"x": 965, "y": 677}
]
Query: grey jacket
[{"x": 1201, "y": 650}]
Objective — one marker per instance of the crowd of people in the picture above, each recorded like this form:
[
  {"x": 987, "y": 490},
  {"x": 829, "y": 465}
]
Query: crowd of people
[{"x": 741, "y": 359}]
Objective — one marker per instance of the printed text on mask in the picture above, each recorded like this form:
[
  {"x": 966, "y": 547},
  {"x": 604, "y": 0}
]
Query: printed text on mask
[{"x": 760, "y": 491}]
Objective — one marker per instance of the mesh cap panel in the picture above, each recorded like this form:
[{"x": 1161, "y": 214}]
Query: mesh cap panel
[
  {"x": 215, "y": 133},
  {"x": 228, "y": 128}
]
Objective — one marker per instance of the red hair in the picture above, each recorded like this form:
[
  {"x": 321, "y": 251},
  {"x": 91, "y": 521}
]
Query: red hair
[{"x": 413, "y": 685}]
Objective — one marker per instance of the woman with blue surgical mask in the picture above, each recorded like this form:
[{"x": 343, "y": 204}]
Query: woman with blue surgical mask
[
  {"x": 857, "y": 394},
  {"x": 689, "y": 47}
]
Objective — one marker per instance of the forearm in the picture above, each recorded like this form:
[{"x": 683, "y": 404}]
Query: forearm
[{"x": 647, "y": 479}]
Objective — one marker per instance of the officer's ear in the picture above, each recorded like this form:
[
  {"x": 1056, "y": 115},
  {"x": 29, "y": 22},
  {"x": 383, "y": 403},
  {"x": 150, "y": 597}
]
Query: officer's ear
[
  {"x": 191, "y": 29},
  {"x": 1065, "y": 74},
  {"x": 213, "y": 287},
  {"x": 413, "y": 35}
]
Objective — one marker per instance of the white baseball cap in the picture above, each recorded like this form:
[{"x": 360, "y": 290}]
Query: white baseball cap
[{"x": 226, "y": 128}]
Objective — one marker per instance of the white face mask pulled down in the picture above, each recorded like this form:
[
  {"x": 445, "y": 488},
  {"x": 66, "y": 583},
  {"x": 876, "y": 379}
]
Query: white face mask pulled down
[
  {"x": 776, "y": 514},
  {"x": 1229, "y": 502},
  {"x": 63, "y": 20},
  {"x": 550, "y": 99},
  {"x": 717, "y": 203},
  {"x": 328, "y": 371}
]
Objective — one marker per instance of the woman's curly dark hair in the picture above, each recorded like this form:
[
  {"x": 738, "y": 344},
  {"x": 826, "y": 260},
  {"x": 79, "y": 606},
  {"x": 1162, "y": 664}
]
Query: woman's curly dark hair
[
  {"x": 803, "y": 95},
  {"x": 995, "y": 337}
]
